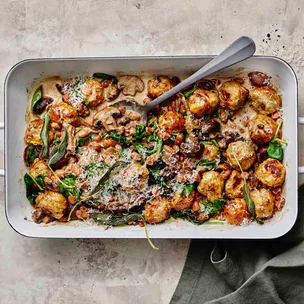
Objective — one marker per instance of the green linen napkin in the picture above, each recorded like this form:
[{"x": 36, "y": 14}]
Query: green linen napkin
[{"x": 245, "y": 272}]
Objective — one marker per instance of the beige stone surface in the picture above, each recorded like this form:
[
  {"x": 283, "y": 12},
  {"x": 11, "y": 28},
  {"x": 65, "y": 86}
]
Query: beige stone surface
[{"x": 123, "y": 271}]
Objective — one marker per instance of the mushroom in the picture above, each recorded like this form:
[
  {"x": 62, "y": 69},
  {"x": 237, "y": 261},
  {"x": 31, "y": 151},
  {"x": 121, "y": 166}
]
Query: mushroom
[
  {"x": 71, "y": 137},
  {"x": 130, "y": 84},
  {"x": 106, "y": 118},
  {"x": 111, "y": 92}
]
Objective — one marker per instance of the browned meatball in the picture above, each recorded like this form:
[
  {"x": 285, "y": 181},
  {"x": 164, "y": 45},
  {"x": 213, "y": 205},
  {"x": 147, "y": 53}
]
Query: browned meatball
[
  {"x": 32, "y": 133},
  {"x": 169, "y": 123},
  {"x": 271, "y": 173},
  {"x": 52, "y": 203},
  {"x": 63, "y": 112},
  {"x": 157, "y": 211},
  {"x": 182, "y": 202},
  {"x": 211, "y": 152},
  {"x": 264, "y": 100},
  {"x": 262, "y": 129},
  {"x": 243, "y": 152},
  {"x": 236, "y": 212},
  {"x": 92, "y": 91},
  {"x": 158, "y": 86},
  {"x": 263, "y": 202},
  {"x": 234, "y": 185},
  {"x": 232, "y": 95},
  {"x": 211, "y": 185},
  {"x": 203, "y": 102}
]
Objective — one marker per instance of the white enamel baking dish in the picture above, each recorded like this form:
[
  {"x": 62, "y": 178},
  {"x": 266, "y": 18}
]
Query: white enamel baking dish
[{"x": 24, "y": 73}]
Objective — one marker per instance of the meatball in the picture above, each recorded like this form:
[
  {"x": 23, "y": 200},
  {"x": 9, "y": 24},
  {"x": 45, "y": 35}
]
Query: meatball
[
  {"x": 232, "y": 95},
  {"x": 211, "y": 152},
  {"x": 236, "y": 212},
  {"x": 263, "y": 202},
  {"x": 39, "y": 167},
  {"x": 211, "y": 185},
  {"x": 182, "y": 202},
  {"x": 264, "y": 100},
  {"x": 63, "y": 112},
  {"x": 158, "y": 86},
  {"x": 243, "y": 152},
  {"x": 157, "y": 211},
  {"x": 92, "y": 92},
  {"x": 234, "y": 185},
  {"x": 271, "y": 173},
  {"x": 32, "y": 133},
  {"x": 203, "y": 102},
  {"x": 169, "y": 123},
  {"x": 262, "y": 129},
  {"x": 52, "y": 203},
  {"x": 134, "y": 178}
]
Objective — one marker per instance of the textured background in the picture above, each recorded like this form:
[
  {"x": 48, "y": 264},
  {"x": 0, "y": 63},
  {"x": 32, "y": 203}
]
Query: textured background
[{"x": 122, "y": 271}]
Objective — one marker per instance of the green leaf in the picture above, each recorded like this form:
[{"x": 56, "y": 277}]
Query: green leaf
[
  {"x": 187, "y": 189},
  {"x": 275, "y": 150},
  {"x": 104, "y": 76},
  {"x": 119, "y": 137},
  {"x": 207, "y": 163},
  {"x": 56, "y": 140},
  {"x": 116, "y": 220},
  {"x": 155, "y": 172},
  {"x": 123, "y": 152},
  {"x": 139, "y": 133},
  {"x": 249, "y": 202},
  {"x": 59, "y": 150},
  {"x": 44, "y": 135},
  {"x": 33, "y": 186},
  {"x": 31, "y": 154},
  {"x": 212, "y": 142},
  {"x": 94, "y": 168},
  {"x": 105, "y": 178},
  {"x": 188, "y": 93},
  {"x": 80, "y": 141},
  {"x": 36, "y": 97},
  {"x": 216, "y": 206},
  {"x": 67, "y": 186}
]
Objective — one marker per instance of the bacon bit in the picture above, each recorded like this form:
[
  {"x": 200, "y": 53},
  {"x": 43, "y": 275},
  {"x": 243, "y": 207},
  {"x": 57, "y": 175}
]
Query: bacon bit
[
  {"x": 141, "y": 223},
  {"x": 279, "y": 204},
  {"x": 106, "y": 83}
]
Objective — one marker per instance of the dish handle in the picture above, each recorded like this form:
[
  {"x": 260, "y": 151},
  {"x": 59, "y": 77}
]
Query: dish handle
[
  {"x": 1, "y": 128},
  {"x": 301, "y": 122}
]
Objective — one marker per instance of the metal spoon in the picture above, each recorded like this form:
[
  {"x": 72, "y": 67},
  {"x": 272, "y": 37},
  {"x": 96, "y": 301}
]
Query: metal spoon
[{"x": 239, "y": 50}]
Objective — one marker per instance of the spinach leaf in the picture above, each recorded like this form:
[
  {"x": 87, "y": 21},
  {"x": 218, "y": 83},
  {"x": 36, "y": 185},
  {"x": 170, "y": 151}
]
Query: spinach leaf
[
  {"x": 116, "y": 220},
  {"x": 207, "y": 163},
  {"x": 188, "y": 93},
  {"x": 145, "y": 152},
  {"x": 67, "y": 186},
  {"x": 155, "y": 172},
  {"x": 120, "y": 138},
  {"x": 275, "y": 147},
  {"x": 105, "y": 178},
  {"x": 33, "y": 186},
  {"x": 94, "y": 168},
  {"x": 80, "y": 141},
  {"x": 30, "y": 154},
  {"x": 249, "y": 202},
  {"x": 217, "y": 205},
  {"x": 44, "y": 135},
  {"x": 212, "y": 142},
  {"x": 36, "y": 98},
  {"x": 187, "y": 189},
  {"x": 56, "y": 140},
  {"x": 104, "y": 76},
  {"x": 59, "y": 150},
  {"x": 124, "y": 152},
  {"x": 186, "y": 214},
  {"x": 139, "y": 133}
]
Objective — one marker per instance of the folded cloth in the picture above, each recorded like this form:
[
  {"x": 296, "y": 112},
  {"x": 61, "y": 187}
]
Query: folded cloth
[{"x": 246, "y": 271}]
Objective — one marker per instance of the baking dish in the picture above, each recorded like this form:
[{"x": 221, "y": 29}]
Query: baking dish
[{"x": 24, "y": 73}]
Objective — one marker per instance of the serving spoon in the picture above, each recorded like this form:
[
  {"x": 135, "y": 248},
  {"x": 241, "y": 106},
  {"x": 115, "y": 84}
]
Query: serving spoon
[{"x": 239, "y": 50}]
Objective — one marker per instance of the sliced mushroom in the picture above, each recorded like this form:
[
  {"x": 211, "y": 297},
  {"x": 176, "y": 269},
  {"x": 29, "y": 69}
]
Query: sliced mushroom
[
  {"x": 71, "y": 138},
  {"x": 106, "y": 118},
  {"x": 130, "y": 84},
  {"x": 111, "y": 92}
]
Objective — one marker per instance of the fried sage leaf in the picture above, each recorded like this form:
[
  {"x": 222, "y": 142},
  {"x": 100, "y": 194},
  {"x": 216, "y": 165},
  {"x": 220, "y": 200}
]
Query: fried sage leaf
[
  {"x": 44, "y": 135},
  {"x": 116, "y": 220},
  {"x": 36, "y": 98},
  {"x": 249, "y": 202},
  {"x": 104, "y": 76},
  {"x": 59, "y": 151},
  {"x": 106, "y": 177}
]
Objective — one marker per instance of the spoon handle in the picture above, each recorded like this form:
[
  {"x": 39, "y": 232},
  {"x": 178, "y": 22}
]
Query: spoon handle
[{"x": 239, "y": 50}]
